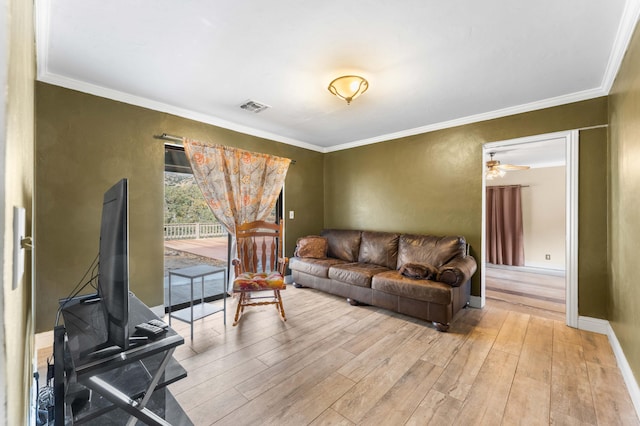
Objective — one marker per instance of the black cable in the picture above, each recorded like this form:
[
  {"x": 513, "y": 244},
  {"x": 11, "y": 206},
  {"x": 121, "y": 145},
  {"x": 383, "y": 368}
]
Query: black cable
[
  {"x": 94, "y": 275},
  {"x": 44, "y": 416},
  {"x": 80, "y": 286},
  {"x": 91, "y": 269}
]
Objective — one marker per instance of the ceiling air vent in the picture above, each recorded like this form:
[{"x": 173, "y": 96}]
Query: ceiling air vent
[{"x": 253, "y": 106}]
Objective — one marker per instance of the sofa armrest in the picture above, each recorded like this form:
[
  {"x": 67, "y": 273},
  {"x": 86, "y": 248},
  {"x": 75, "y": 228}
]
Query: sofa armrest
[{"x": 457, "y": 271}]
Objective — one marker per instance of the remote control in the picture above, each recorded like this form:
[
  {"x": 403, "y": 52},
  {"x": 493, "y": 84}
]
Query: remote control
[
  {"x": 149, "y": 330},
  {"x": 158, "y": 323}
]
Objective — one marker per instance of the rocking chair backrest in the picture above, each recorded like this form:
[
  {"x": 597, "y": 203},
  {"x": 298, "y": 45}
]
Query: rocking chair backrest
[{"x": 259, "y": 246}]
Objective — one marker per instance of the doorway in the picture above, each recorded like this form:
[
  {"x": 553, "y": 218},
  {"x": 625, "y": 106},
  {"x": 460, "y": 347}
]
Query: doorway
[
  {"x": 549, "y": 150},
  {"x": 192, "y": 235}
]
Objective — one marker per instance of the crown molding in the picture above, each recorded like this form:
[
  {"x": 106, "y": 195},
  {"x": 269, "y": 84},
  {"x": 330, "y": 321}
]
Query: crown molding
[
  {"x": 626, "y": 28},
  {"x": 518, "y": 109},
  {"x": 42, "y": 21},
  {"x": 127, "y": 98},
  {"x": 628, "y": 22}
]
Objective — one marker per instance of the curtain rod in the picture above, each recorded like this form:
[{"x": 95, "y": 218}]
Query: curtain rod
[
  {"x": 507, "y": 186},
  {"x": 167, "y": 137}
]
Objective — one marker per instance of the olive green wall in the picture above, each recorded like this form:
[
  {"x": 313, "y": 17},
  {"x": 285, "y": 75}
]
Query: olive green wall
[
  {"x": 428, "y": 183},
  {"x": 424, "y": 183},
  {"x": 16, "y": 189},
  {"x": 593, "y": 290},
  {"x": 432, "y": 182},
  {"x": 85, "y": 144},
  {"x": 624, "y": 205}
]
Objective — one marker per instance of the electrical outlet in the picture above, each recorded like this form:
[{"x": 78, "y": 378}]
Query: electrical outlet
[
  {"x": 547, "y": 256},
  {"x": 291, "y": 214}
]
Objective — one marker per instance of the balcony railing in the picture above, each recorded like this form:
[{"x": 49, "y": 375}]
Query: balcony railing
[{"x": 191, "y": 231}]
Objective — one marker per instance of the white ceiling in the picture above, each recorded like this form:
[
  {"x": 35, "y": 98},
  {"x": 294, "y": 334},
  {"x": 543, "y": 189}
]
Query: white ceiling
[{"x": 430, "y": 64}]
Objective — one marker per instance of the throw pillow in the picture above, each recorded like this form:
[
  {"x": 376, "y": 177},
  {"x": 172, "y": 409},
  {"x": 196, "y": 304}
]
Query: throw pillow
[
  {"x": 417, "y": 271},
  {"x": 313, "y": 246}
]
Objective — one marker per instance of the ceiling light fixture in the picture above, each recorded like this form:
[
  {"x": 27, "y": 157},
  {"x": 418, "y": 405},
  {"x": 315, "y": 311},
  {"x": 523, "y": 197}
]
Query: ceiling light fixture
[
  {"x": 494, "y": 173},
  {"x": 348, "y": 87},
  {"x": 497, "y": 170},
  {"x": 493, "y": 168}
]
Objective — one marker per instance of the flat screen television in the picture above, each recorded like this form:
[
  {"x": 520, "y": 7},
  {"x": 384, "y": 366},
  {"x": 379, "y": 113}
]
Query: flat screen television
[{"x": 113, "y": 264}]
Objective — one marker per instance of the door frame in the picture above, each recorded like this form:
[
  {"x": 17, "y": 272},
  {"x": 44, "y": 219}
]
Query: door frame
[{"x": 571, "y": 139}]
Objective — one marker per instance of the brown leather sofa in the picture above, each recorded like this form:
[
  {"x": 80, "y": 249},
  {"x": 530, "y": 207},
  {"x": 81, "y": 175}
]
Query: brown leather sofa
[{"x": 367, "y": 268}]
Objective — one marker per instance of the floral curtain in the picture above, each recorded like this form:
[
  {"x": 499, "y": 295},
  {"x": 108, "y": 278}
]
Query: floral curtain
[
  {"x": 505, "y": 244},
  {"x": 238, "y": 185}
]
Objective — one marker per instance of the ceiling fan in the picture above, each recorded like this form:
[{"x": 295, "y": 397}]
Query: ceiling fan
[{"x": 495, "y": 169}]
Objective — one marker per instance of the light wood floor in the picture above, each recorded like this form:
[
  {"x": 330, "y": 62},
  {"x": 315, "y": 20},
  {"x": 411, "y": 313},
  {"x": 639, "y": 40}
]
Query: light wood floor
[
  {"x": 335, "y": 364},
  {"x": 524, "y": 291}
]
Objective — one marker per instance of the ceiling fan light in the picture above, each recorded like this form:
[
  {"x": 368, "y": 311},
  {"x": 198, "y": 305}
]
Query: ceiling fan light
[
  {"x": 494, "y": 172},
  {"x": 494, "y": 168},
  {"x": 348, "y": 87}
]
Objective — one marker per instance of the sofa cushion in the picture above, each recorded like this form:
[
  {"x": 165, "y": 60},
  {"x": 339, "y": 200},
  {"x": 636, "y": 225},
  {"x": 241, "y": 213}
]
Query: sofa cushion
[
  {"x": 315, "y": 267},
  {"x": 343, "y": 244},
  {"x": 313, "y": 246},
  {"x": 379, "y": 248},
  {"x": 359, "y": 274},
  {"x": 417, "y": 271},
  {"x": 429, "y": 250},
  {"x": 393, "y": 282}
]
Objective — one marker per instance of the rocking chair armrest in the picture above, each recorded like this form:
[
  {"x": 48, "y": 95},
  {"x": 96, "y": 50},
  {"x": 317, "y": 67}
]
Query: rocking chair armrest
[{"x": 237, "y": 266}]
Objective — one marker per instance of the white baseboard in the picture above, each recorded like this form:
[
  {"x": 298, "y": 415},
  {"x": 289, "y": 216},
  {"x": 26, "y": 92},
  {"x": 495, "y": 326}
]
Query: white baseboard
[
  {"x": 158, "y": 311},
  {"x": 546, "y": 268},
  {"x": 476, "y": 302},
  {"x": 604, "y": 327},
  {"x": 625, "y": 368},
  {"x": 595, "y": 325},
  {"x": 535, "y": 269}
]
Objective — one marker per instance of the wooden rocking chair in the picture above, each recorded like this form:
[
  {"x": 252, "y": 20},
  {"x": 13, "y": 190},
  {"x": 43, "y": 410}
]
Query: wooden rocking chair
[{"x": 259, "y": 267}]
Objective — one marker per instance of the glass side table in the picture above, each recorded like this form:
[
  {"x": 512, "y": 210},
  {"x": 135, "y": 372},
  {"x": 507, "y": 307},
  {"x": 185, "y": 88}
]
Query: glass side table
[{"x": 192, "y": 313}]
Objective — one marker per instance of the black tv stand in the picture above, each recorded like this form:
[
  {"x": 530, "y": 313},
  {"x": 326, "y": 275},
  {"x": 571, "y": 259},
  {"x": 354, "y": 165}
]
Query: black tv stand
[
  {"x": 107, "y": 350},
  {"x": 90, "y": 299},
  {"x": 122, "y": 385}
]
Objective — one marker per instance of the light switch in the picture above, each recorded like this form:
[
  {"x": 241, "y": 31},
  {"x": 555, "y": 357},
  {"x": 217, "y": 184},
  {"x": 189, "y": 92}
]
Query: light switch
[
  {"x": 19, "y": 230},
  {"x": 291, "y": 214}
]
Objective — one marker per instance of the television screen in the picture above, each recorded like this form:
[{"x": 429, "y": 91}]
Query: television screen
[{"x": 113, "y": 268}]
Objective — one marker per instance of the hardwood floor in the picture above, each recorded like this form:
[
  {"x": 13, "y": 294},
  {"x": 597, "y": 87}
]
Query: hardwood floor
[
  {"x": 335, "y": 364},
  {"x": 524, "y": 291}
]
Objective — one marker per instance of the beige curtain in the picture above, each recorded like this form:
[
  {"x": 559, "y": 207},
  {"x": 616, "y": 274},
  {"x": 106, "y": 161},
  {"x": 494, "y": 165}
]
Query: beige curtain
[
  {"x": 239, "y": 186},
  {"x": 504, "y": 226}
]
